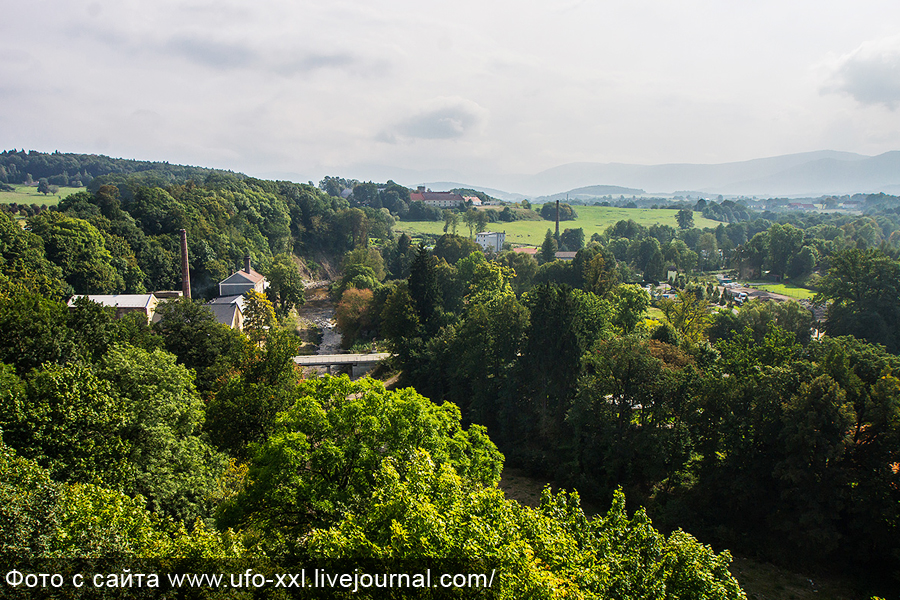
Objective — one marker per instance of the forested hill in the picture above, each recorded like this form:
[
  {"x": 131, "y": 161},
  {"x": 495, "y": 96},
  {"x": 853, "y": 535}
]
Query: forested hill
[
  {"x": 125, "y": 238},
  {"x": 76, "y": 170}
]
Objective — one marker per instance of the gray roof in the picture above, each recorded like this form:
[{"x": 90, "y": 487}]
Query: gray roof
[
  {"x": 239, "y": 300},
  {"x": 225, "y": 313},
  {"x": 117, "y": 300}
]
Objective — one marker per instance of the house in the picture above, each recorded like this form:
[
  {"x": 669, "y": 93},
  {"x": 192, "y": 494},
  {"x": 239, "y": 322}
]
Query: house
[
  {"x": 124, "y": 303},
  {"x": 229, "y": 313},
  {"x": 243, "y": 281},
  {"x": 436, "y": 199},
  {"x": 565, "y": 255},
  {"x": 229, "y": 310},
  {"x": 491, "y": 240}
]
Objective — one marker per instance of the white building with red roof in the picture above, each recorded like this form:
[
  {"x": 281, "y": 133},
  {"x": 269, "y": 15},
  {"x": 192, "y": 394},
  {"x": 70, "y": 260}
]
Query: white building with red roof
[
  {"x": 436, "y": 199},
  {"x": 243, "y": 281}
]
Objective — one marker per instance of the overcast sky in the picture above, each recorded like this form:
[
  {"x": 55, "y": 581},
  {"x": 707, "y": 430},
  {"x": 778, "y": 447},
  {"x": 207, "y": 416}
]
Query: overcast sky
[{"x": 338, "y": 87}]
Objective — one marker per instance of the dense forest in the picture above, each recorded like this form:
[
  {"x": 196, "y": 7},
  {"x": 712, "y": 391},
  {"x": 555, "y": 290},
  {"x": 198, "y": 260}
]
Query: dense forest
[
  {"x": 754, "y": 427},
  {"x": 76, "y": 170},
  {"x": 736, "y": 423},
  {"x": 184, "y": 442}
]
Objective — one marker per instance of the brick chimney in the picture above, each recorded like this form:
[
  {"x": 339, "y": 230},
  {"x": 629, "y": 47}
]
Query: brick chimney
[
  {"x": 247, "y": 263},
  {"x": 185, "y": 267}
]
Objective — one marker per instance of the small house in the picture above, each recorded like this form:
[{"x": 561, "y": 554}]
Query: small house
[
  {"x": 228, "y": 314},
  {"x": 243, "y": 281},
  {"x": 123, "y": 303}
]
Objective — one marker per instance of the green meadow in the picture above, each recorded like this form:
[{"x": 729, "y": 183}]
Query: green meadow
[
  {"x": 593, "y": 219},
  {"x": 786, "y": 289},
  {"x": 28, "y": 194}
]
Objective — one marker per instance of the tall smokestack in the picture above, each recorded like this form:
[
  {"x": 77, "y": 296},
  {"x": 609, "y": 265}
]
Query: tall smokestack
[
  {"x": 247, "y": 263},
  {"x": 557, "y": 220},
  {"x": 185, "y": 268}
]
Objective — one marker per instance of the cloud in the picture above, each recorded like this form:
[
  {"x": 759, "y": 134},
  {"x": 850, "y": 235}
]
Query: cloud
[
  {"x": 211, "y": 52},
  {"x": 441, "y": 119},
  {"x": 312, "y": 62},
  {"x": 347, "y": 62},
  {"x": 870, "y": 73}
]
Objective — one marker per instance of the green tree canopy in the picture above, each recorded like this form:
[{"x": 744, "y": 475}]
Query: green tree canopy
[
  {"x": 862, "y": 289},
  {"x": 23, "y": 266},
  {"x": 34, "y": 332},
  {"x": 78, "y": 248},
  {"x": 685, "y": 218},
  {"x": 170, "y": 464},
  {"x": 323, "y": 457},
  {"x": 548, "y": 248},
  {"x": 190, "y": 332},
  {"x": 69, "y": 421}
]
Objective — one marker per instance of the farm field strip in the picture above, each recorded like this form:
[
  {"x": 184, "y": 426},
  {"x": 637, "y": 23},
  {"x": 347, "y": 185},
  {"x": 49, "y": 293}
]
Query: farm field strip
[
  {"x": 785, "y": 289},
  {"x": 593, "y": 219},
  {"x": 28, "y": 194}
]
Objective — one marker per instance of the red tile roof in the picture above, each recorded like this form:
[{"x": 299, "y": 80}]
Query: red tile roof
[{"x": 242, "y": 277}]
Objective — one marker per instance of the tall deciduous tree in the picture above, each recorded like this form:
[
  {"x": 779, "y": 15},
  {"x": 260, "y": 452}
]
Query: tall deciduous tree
[
  {"x": 34, "y": 332},
  {"x": 190, "y": 331},
  {"x": 69, "y": 421},
  {"x": 785, "y": 242},
  {"x": 451, "y": 221},
  {"x": 600, "y": 275},
  {"x": 354, "y": 315},
  {"x": 685, "y": 218},
  {"x": 630, "y": 303},
  {"x": 863, "y": 291},
  {"x": 259, "y": 315},
  {"x": 78, "y": 248},
  {"x": 687, "y": 314},
  {"x": 286, "y": 289},
  {"x": 171, "y": 465},
  {"x": 244, "y": 410},
  {"x": 323, "y": 458},
  {"x": 23, "y": 264}
]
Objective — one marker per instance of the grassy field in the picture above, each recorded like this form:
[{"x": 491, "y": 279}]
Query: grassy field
[
  {"x": 593, "y": 219},
  {"x": 655, "y": 313},
  {"x": 785, "y": 289},
  {"x": 25, "y": 194}
]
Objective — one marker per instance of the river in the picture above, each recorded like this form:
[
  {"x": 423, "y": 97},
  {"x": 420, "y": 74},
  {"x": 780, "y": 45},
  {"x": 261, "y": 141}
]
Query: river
[{"x": 318, "y": 310}]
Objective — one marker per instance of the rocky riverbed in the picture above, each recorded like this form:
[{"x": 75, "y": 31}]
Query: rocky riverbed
[{"x": 316, "y": 318}]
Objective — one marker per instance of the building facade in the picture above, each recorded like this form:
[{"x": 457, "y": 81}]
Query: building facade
[
  {"x": 491, "y": 240},
  {"x": 243, "y": 281}
]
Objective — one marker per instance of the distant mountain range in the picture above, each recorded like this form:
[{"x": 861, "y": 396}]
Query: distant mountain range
[
  {"x": 810, "y": 174},
  {"x": 592, "y": 191}
]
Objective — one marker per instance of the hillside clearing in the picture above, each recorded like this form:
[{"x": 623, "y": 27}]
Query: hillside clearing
[{"x": 28, "y": 194}]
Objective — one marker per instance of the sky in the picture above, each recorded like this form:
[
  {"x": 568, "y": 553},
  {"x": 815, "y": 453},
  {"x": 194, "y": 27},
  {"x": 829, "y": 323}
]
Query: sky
[{"x": 467, "y": 89}]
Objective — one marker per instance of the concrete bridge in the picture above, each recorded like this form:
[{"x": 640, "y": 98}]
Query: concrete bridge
[{"x": 360, "y": 364}]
